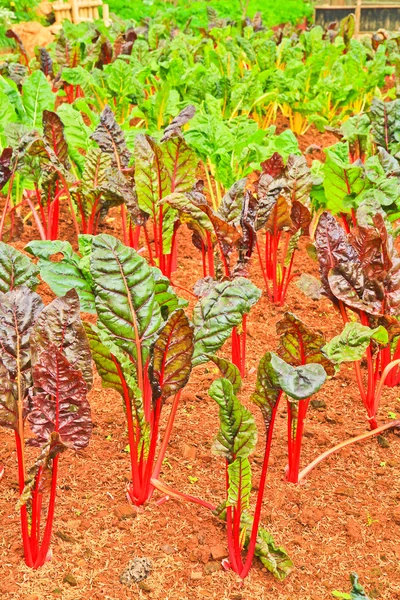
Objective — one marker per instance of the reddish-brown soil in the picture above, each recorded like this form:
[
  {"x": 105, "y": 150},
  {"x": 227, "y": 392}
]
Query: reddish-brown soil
[{"x": 344, "y": 518}]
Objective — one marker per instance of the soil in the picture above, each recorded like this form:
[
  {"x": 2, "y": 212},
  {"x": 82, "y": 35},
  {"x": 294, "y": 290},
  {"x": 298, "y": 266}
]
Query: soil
[{"x": 344, "y": 518}]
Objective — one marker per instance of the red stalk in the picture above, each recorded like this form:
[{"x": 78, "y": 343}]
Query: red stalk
[
  {"x": 44, "y": 548},
  {"x": 260, "y": 495},
  {"x": 23, "y": 511}
]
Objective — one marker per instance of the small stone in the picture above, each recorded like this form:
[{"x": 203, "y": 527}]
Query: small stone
[
  {"x": 125, "y": 511},
  {"x": 168, "y": 549},
  {"x": 318, "y": 404},
  {"x": 196, "y": 575},
  {"x": 65, "y": 537},
  {"x": 144, "y": 586},
  {"x": 218, "y": 552},
  {"x": 383, "y": 442},
  {"x": 344, "y": 491},
  {"x": 70, "y": 579},
  {"x": 212, "y": 567},
  {"x": 32, "y": 597},
  {"x": 298, "y": 540},
  {"x": 189, "y": 452}
]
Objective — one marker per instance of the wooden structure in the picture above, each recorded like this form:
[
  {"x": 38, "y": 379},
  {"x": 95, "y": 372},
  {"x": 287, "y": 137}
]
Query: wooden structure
[
  {"x": 79, "y": 10},
  {"x": 370, "y": 15}
]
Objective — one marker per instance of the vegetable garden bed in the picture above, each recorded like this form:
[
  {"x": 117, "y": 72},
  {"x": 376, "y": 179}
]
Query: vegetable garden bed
[{"x": 150, "y": 484}]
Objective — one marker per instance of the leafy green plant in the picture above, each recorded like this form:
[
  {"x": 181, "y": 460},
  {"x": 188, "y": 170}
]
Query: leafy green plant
[
  {"x": 45, "y": 374},
  {"x": 235, "y": 443}
]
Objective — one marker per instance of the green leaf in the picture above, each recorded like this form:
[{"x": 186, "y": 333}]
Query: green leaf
[
  {"x": 228, "y": 370},
  {"x": 237, "y": 436},
  {"x": 268, "y": 390},
  {"x": 16, "y": 269},
  {"x": 239, "y": 479},
  {"x": 165, "y": 295},
  {"x": 274, "y": 558},
  {"x": 342, "y": 179},
  {"x": 37, "y": 96},
  {"x": 216, "y": 314},
  {"x": 298, "y": 382},
  {"x": 124, "y": 288},
  {"x": 358, "y": 592},
  {"x": 66, "y": 274},
  {"x": 353, "y": 342}
]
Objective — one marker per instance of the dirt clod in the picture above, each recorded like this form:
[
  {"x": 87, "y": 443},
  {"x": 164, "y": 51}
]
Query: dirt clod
[
  {"x": 218, "y": 552},
  {"x": 125, "y": 511},
  {"x": 70, "y": 579}
]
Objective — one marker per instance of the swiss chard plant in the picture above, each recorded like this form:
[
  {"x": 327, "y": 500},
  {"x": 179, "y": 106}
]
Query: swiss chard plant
[
  {"x": 144, "y": 344},
  {"x": 226, "y": 239},
  {"x": 235, "y": 442},
  {"x": 45, "y": 374},
  {"x": 280, "y": 195},
  {"x": 360, "y": 273},
  {"x": 299, "y": 345}
]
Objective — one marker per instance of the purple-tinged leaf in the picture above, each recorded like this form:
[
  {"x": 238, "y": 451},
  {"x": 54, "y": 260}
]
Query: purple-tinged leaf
[
  {"x": 59, "y": 402},
  {"x": 110, "y": 138}
]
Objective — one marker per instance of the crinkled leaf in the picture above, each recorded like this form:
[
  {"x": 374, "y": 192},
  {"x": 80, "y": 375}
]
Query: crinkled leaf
[
  {"x": 333, "y": 248},
  {"x": 299, "y": 180},
  {"x": 53, "y": 133},
  {"x": 274, "y": 558},
  {"x": 229, "y": 371},
  {"x": 124, "y": 288},
  {"x": 385, "y": 122},
  {"x": 19, "y": 310},
  {"x": 150, "y": 176},
  {"x": 237, "y": 436},
  {"x": 273, "y": 214},
  {"x": 180, "y": 163},
  {"x": 268, "y": 390},
  {"x": 172, "y": 356},
  {"x": 216, "y": 314},
  {"x": 8, "y": 404},
  {"x": 353, "y": 342},
  {"x": 230, "y": 209},
  {"x": 111, "y": 140},
  {"x": 60, "y": 324},
  {"x": 174, "y": 128},
  {"x": 165, "y": 295},
  {"x": 69, "y": 273},
  {"x": 300, "y": 345},
  {"x": 16, "y": 269},
  {"x": 298, "y": 382},
  {"x": 59, "y": 402},
  {"x": 5, "y": 164},
  {"x": 190, "y": 213},
  {"x": 301, "y": 217}
]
